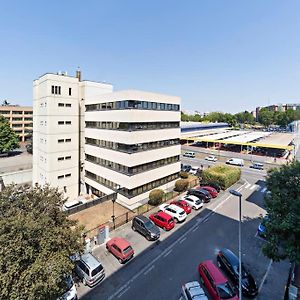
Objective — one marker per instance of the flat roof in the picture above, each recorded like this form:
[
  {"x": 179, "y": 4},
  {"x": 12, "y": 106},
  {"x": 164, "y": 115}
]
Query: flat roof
[
  {"x": 279, "y": 138},
  {"x": 248, "y": 137}
]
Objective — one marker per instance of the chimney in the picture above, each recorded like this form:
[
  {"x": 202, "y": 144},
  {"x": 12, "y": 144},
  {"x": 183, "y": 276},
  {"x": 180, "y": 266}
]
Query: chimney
[{"x": 78, "y": 74}]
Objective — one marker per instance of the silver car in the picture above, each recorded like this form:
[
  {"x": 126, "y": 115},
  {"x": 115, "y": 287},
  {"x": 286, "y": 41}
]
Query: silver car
[{"x": 193, "y": 290}]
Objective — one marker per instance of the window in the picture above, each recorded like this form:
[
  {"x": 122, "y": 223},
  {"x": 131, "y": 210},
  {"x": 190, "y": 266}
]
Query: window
[
  {"x": 68, "y": 157},
  {"x": 60, "y": 140},
  {"x": 60, "y": 177},
  {"x": 56, "y": 90},
  {"x": 70, "y": 91},
  {"x": 60, "y": 158},
  {"x": 52, "y": 89},
  {"x": 59, "y": 90},
  {"x": 68, "y": 104},
  {"x": 67, "y": 140},
  {"x": 61, "y": 122},
  {"x": 68, "y": 175},
  {"x": 68, "y": 122},
  {"x": 61, "y": 104}
]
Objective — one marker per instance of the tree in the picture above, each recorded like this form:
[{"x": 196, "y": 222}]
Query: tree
[
  {"x": 8, "y": 138},
  {"x": 36, "y": 241},
  {"x": 265, "y": 117},
  {"x": 5, "y": 103},
  {"x": 283, "y": 208}
]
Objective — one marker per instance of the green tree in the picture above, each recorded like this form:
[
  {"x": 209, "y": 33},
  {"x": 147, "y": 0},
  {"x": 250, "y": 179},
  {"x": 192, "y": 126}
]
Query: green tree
[
  {"x": 283, "y": 208},
  {"x": 36, "y": 241},
  {"x": 265, "y": 117},
  {"x": 8, "y": 138}
]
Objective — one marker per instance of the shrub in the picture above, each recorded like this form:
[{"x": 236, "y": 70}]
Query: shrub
[
  {"x": 224, "y": 175},
  {"x": 155, "y": 197},
  {"x": 181, "y": 185},
  {"x": 184, "y": 175}
]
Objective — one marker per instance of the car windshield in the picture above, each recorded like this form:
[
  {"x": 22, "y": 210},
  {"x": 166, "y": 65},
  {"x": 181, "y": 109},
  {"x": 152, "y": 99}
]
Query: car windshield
[
  {"x": 170, "y": 221},
  {"x": 225, "y": 291},
  {"x": 149, "y": 225},
  {"x": 97, "y": 270},
  {"x": 127, "y": 250},
  {"x": 198, "y": 202}
]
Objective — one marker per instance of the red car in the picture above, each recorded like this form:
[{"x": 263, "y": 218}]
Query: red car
[
  {"x": 213, "y": 192},
  {"x": 162, "y": 220},
  {"x": 215, "y": 282},
  {"x": 184, "y": 205},
  {"x": 120, "y": 248}
]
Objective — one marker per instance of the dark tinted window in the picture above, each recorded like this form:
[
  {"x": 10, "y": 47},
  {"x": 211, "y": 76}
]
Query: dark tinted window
[
  {"x": 225, "y": 291},
  {"x": 127, "y": 250},
  {"x": 97, "y": 270}
]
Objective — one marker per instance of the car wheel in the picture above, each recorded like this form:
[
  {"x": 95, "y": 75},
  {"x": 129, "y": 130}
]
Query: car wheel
[
  {"x": 107, "y": 248},
  {"x": 164, "y": 228},
  {"x": 133, "y": 228},
  {"x": 176, "y": 220},
  {"x": 194, "y": 207},
  {"x": 84, "y": 281},
  {"x": 120, "y": 260},
  {"x": 148, "y": 238}
]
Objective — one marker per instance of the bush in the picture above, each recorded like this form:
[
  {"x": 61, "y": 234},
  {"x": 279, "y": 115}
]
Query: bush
[
  {"x": 155, "y": 197},
  {"x": 184, "y": 175},
  {"x": 181, "y": 185},
  {"x": 224, "y": 175}
]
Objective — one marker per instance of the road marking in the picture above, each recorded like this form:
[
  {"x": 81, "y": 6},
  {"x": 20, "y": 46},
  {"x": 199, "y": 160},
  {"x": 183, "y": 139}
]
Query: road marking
[
  {"x": 263, "y": 190},
  {"x": 253, "y": 187},
  {"x": 149, "y": 270},
  {"x": 124, "y": 291},
  {"x": 195, "y": 229},
  {"x": 166, "y": 254},
  {"x": 265, "y": 276},
  {"x": 247, "y": 186},
  {"x": 206, "y": 219},
  {"x": 182, "y": 240}
]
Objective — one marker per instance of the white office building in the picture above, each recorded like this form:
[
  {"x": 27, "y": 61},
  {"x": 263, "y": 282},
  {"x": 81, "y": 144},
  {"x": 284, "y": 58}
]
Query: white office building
[{"x": 89, "y": 139}]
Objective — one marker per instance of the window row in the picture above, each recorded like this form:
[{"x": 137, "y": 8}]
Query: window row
[
  {"x": 131, "y": 148},
  {"x": 56, "y": 90},
  {"x": 64, "y": 104},
  {"x": 64, "y": 158},
  {"x": 64, "y": 141},
  {"x": 64, "y": 176},
  {"x": 131, "y": 126},
  {"x": 129, "y": 193},
  {"x": 133, "y": 104},
  {"x": 131, "y": 170},
  {"x": 64, "y": 122},
  {"x": 17, "y": 112}
]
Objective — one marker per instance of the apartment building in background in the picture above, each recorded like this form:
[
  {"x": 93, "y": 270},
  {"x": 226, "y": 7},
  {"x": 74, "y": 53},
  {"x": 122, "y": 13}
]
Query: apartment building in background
[
  {"x": 20, "y": 120},
  {"x": 89, "y": 139}
]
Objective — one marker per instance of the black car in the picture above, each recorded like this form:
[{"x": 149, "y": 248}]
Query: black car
[
  {"x": 200, "y": 194},
  {"x": 229, "y": 262},
  {"x": 145, "y": 227},
  {"x": 186, "y": 168},
  {"x": 214, "y": 185}
]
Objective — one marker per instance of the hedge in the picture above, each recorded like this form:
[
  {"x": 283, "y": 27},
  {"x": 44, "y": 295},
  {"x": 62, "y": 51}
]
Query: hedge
[
  {"x": 155, "y": 197},
  {"x": 224, "y": 175},
  {"x": 184, "y": 175},
  {"x": 181, "y": 185}
]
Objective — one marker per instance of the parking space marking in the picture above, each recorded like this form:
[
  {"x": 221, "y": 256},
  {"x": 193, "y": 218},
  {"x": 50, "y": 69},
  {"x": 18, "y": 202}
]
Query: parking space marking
[
  {"x": 195, "y": 229},
  {"x": 149, "y": 270},
  {"x": 123, "y": 292},
  {"x": 253, "y": 187},
  {"x": 182, "y": 240},
  {"x": 263, "y": 190},
  {"x": 247, "y": 186},
  {"x": 265, "y": 276},
  {"x": 166, "y": 254}
]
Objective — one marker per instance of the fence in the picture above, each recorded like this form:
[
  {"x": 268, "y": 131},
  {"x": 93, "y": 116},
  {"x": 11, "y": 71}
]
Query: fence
[{"x": 128, "y": 216}]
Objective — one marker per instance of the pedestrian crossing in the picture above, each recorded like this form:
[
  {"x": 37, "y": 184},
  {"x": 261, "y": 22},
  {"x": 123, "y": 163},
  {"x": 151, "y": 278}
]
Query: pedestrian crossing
[{"x": 255, "y": 188}]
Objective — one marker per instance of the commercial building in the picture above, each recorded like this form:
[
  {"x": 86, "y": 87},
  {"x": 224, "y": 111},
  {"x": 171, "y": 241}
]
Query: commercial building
[
  {"x": 89, "y": 139},
  {"x": 20, "y": 119}
]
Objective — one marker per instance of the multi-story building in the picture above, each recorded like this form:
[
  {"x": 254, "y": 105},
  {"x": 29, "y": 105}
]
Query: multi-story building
[
  {"x": 87, "y": 139},
  {"x": 132, "y": 144},
  {"x": 20, "y": 119}
]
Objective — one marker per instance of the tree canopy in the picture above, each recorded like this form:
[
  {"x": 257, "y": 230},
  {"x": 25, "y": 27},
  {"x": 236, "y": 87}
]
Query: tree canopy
[
  {"x": 36, "y": 241},
  {"x": 8, "y": 138},
  {"x": 283, "y": 208}
]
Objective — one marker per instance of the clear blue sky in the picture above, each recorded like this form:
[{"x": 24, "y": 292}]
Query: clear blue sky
[{"x": 216, "y": 55}]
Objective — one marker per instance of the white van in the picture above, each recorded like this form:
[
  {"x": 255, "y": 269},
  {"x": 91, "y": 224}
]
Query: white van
[
  {"x": 235, "y": 162},
  {"x": 189, "y": 154}
]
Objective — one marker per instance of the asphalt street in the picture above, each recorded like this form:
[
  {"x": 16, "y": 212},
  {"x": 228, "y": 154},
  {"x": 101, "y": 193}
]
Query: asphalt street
[{"x": 159, "y": 269}]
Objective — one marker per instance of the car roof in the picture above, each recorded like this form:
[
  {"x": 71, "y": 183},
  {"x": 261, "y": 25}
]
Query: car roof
[
  {"x": 90, "y": 260},
  {"x": 230, "y": 256},
  {"x": 192, "y": 197},
  {"x": 163, "y": 215},
  {"x": 217, "y": 275},
  {"x": 176, "y": 208},
  {"x": 195, "y": 290},
  {"x": 207, "y": 187},
  {"x": 120, "y": 242},
  {"x": 142, "y": 218}
]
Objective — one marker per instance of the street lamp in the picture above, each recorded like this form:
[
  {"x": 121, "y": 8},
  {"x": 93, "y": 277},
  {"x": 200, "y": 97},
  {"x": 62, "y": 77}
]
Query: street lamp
[
  {"x": 114, "y": 198},
  {"x": 238, "y": 194}
]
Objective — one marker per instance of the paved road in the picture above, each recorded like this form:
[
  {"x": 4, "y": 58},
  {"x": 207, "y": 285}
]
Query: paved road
[{"x": 158, "y": 270}]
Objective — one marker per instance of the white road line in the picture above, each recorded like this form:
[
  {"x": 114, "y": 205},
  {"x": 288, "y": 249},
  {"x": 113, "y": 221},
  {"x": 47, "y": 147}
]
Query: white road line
[
  {"x": 195, "y": 229},
  {"x": 263, "y": 190},
  {"x": 166, "y": 254},
  {"x": 265, "y": 276},
  {"x": 253, "y": 187},
  {"x": 247, "y": 186},
  {"x": 149, "y": 270},
  {"x": 124, "y": 291},
  {"x": 182, "y": 240}
]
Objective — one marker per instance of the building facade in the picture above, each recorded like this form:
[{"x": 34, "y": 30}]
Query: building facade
[
  {"x": 20, "y": 120},
  {"x": 89, "y": 139}
]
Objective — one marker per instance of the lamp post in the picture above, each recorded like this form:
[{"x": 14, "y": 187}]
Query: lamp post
[
  {"x": 113, "y": 215},
  {"x": 238, "y": 194}
]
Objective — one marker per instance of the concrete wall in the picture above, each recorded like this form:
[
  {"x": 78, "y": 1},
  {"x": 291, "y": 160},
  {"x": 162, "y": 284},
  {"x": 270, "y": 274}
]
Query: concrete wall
[{"x": 19, "y": 177}]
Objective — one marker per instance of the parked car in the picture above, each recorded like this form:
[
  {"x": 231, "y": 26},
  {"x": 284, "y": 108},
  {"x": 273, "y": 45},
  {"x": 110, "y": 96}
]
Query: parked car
[
  {"x": 71, "y": 204},
  {"x": 70, "y": 289},
  {"x": 261, "y": 230},
  {"x": 193, "y": 201},
  {"x": 163, "y": 220},
  {"x": 120, "y": 248},
  {"x": 215, "y": 185},
  {"x": 194, "y": 170},
  {"x": 211, "y": 190},
  {"x": 89, "y": 269},
  {"x": 189, "y": 154},
  {"x": 183, "y": 204},
  {"x": 215, "y": 282},
  {"x": 235, "y": 162},
  {"x": 176, "y": 212},
  {"x": 186, "y": 168},
  {"x": 200, "y": 194},
  {"x": 258, "y": 166},
  {"x": 229, "y": 262},
  {"x": 211, "y": 158},
  {"x": 145, "y": 227},
  {"x": 193, "y": 291}
]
